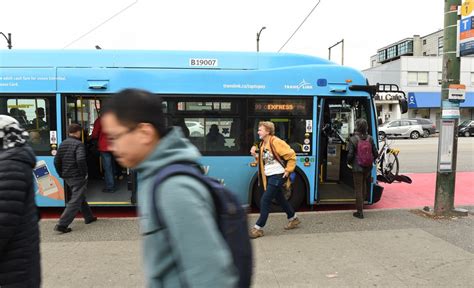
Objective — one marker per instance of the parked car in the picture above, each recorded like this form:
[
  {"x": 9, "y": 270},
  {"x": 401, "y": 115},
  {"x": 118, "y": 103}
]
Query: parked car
[
  {"x": 401, "y": 128},
  {"x": 195, "y": 128},
  {"x": 466, "y": 128},
  {"x": 427, "y": 124}
]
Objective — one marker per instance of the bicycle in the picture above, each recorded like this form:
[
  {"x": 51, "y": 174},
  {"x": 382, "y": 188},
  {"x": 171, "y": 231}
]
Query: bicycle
[{"x": 387, "y": 160}]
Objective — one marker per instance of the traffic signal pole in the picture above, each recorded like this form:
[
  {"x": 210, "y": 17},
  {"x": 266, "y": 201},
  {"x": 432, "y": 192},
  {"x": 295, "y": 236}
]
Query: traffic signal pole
[{"x": 448, "y": 139}]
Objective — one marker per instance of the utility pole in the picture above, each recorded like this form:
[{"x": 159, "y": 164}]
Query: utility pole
[
  {"x": 258, "y": 37},
  {"x": 448, "y": 139},
  {"x": 342, "y": 56},
  {"x": 9, "y": 39}
]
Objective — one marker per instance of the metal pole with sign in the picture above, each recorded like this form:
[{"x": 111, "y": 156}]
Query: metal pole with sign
[{"x": 451, "y": 94}]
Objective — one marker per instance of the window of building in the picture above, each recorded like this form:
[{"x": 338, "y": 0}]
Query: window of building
[
  {"x": 424, "y": 41},
  {"x": 440, "y": 45},
  {"x": 405, "y": 48},
  {"x": 382, "y": 55},
  {"x": 440, "y": 78},
  {"x": 417, "y": 78},
  {"x": 391, "y": 52},
  {"x": 410, "y": 46}
]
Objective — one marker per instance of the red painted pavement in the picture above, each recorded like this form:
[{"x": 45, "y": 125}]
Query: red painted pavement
[
  {"x": 421, "y": 192},
  {"x": 395, "y": 196}
]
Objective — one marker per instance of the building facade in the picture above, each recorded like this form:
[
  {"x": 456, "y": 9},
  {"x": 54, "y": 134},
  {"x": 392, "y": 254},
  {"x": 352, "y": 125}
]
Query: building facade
[{"x": 415, "y": 65}]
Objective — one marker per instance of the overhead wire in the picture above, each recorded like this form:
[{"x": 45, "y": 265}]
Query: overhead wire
[
  {"x": 304, "y": 20},
  {"x": 102, "y": 23}
]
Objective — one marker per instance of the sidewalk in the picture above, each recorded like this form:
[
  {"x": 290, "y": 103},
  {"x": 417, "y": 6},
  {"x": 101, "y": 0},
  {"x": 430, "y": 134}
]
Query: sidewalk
[{"x": 389, "y": 248}]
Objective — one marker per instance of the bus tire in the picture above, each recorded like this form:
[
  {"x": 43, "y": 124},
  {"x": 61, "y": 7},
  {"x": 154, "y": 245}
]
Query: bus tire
[{"x": 295, "y": 195}]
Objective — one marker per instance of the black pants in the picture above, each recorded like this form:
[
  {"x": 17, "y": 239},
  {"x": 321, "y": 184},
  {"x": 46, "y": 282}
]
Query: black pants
[
  {"x": 77, "y": 202},
  {"x": 360, "y": 188}
]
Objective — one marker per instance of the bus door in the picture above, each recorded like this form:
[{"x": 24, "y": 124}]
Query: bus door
[
  {"x": 85, "y": 110},
  {"x": 336, "y": 124}
]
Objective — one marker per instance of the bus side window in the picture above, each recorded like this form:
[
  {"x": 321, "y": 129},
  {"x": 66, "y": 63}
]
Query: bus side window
[{"x": 34, "y": 115}]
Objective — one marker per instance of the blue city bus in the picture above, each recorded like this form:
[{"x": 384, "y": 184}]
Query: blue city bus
[{"x": 312, "y": 101}]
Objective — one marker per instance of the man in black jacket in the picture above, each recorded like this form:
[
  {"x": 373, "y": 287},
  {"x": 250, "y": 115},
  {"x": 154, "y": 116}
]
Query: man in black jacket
[
  {"x": 19, "y": 232},
  {"x": 70, "y": 163}
]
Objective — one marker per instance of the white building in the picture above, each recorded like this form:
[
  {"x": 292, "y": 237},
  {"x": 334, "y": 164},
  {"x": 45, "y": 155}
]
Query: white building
[{"x": 415, "y": 65}]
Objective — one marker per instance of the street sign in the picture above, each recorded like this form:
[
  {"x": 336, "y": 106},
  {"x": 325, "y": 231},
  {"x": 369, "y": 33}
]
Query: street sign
[
  {"x": 466, "y": 29},
  {"x": 457, "y": 92},
  {"x": 450, "y": 110}
]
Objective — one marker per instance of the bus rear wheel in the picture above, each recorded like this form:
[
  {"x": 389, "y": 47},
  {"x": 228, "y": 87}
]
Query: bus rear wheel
[{"x": 295, "y": 195}]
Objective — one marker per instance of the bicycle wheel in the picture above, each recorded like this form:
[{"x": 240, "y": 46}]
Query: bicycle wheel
[{"x": 389, "y": 164}]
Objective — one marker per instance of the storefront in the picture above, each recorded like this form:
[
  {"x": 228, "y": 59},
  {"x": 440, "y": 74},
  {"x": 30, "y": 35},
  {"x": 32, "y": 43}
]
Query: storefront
[{"x": 427, "y": 105}]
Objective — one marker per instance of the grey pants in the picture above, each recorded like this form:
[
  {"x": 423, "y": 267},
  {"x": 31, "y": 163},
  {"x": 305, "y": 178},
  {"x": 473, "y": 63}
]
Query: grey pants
[
  {"x": 77, "y": 202},
  {"x": 360, "y": 188}
]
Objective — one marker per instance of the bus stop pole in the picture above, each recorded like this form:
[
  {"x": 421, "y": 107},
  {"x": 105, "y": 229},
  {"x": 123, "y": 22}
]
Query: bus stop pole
[{"x": 448, "y": 138}]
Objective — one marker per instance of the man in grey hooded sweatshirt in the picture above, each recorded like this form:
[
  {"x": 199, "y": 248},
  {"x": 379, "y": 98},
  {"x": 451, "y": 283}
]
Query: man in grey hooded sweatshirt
[{"x": 188, "y": 251}]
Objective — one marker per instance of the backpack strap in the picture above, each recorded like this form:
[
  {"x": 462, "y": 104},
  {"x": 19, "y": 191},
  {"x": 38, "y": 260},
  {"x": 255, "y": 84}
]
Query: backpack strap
[
  {"x": 191, "y": 169},
  {"x": 275, "y": 155}
]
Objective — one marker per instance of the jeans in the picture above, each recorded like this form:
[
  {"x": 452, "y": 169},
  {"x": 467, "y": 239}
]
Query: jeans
[
  {"x": 108, "y": 165},
  {"x": 274, "y": 190}
]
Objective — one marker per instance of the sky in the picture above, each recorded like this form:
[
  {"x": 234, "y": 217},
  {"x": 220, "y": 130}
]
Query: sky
[{"x": 213, "y": 25}]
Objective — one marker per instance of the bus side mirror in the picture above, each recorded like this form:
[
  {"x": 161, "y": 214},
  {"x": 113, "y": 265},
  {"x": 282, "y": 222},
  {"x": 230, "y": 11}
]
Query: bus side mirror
[{"x": 403, "y": 105}]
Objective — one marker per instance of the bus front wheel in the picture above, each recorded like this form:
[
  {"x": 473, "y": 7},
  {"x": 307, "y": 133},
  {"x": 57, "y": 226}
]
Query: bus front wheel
[{"x": 295, "y": 195}]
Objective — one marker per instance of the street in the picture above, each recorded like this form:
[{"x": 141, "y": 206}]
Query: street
[
  {"x": 421, "y": 155},
  {"x": 389, "y": 248}
]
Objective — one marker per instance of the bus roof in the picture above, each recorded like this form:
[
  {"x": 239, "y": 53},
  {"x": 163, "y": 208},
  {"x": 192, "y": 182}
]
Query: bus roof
[
  {"x": 108, "y": 71},
  {"x": 154, "y": 59}
]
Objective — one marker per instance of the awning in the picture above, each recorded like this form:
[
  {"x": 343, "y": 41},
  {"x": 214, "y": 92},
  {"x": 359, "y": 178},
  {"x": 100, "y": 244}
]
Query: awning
[{"x": 433, "y": 100}]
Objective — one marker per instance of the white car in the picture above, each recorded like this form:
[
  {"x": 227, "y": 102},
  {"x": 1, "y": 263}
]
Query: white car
[
  {"x": 401, "y": 128},
  {"x": 195, "y": 128}
]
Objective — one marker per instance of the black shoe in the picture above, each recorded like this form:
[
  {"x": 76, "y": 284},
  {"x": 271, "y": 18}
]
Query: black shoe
[
  {"x": 62, "y": 229},
  {"x": 359, "y": 215},
  {"x": 108, "y": 191},
  {"x": 93, "y": 219}
]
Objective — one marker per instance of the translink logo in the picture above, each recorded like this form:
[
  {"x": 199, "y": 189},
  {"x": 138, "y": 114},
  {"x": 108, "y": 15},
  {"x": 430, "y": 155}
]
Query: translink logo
[{"x": 302, "y": 85}]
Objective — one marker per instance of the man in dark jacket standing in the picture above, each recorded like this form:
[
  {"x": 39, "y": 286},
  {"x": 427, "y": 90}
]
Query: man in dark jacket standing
[
  {"x": 19, "y": 232},
  {"x": 360, "y": 173},
  {"x": 70, "y": 163}
]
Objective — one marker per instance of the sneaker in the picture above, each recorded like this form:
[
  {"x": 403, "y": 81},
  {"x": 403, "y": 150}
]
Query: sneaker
[
  {"x": 93, "y": 219},
  {"x": 62, "y": 229},
  {"x": 255, "y": 233},
  {"x": 359, "y": 215},
  {"x": 292, "y": 224}
]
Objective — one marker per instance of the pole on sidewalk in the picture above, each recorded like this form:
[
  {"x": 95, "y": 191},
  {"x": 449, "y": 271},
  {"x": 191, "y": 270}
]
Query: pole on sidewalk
[{"x": 448, "y": 139}]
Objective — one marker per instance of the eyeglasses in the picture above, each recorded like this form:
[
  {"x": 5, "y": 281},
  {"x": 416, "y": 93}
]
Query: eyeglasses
[{"x": 112, "y": 139}]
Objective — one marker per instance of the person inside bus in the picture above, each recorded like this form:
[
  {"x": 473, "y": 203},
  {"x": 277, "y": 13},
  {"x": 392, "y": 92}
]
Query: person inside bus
[
  {"x": 273, "y": 175},
  {"x": 38, "y": 143},
  {"x": 39, "y": 123},
  {"x": 215, "y": 141},
  {"x": 19, "y": 230},
  {"x": 360, "y": 173},
  {"x": 105, "y": 155},
  {"x": 20, "y": 116},
  {"x": 135, "y": 127}
]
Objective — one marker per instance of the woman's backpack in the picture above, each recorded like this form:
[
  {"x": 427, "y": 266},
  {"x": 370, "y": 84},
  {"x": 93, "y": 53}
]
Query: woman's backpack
[{"x": 364, "y": 155}]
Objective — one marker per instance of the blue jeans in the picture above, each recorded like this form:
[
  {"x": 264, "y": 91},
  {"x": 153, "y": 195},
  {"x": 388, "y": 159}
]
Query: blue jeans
[
  {"x": 108, "y": 165},
  {"x": 274, "y": 190}
]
